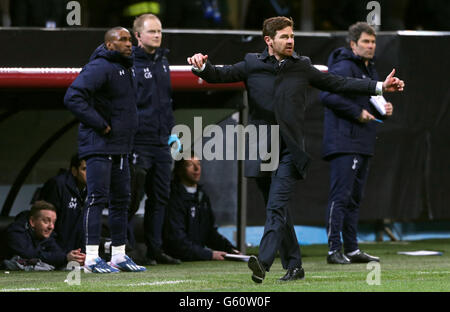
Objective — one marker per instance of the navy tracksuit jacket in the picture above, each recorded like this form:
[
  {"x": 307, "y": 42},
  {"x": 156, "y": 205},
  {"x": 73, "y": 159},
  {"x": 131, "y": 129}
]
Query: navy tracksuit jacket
[
  {"x": 154, "y": 99},
  {"x": 104, "y": 94}
]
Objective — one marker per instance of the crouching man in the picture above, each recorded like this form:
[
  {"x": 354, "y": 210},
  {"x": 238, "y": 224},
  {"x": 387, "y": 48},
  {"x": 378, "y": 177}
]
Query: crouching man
[{"x": 31, "y": 236}]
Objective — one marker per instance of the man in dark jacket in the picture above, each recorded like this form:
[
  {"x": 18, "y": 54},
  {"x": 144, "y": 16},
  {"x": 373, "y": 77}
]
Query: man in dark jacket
[
  {"x": 348, "y": 143},
  {"x": 103, "y": 99},
  {"x": 67, "y": 192},
  {"x": 31, "y": 236},
  {"x": 276, "y": 82},
  {"x": 190, "y": 232},
  {"x": 151, "y": 162}
]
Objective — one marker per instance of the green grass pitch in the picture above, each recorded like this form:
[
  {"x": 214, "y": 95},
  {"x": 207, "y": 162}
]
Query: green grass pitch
[{"x": 397, "y": 273}]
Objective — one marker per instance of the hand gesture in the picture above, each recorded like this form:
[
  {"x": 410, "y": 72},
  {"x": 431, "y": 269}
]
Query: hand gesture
[
  {"x": 197, "y": 60},
  {"x": 393, "y": 84}
]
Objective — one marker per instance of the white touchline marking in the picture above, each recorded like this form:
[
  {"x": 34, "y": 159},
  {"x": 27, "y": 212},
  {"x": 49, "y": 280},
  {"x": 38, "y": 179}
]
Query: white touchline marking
[
  {"x": 321, "y": 276},
  {"x": 24, "y": 289},
  {"x": 157, "y": 283}
]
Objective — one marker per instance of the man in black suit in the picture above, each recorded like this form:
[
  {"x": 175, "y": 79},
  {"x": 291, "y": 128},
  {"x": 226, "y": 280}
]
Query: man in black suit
[{"x": 277, "y": 80}]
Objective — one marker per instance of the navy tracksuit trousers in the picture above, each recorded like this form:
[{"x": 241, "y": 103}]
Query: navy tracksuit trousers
[
  {"x": 279, "y": 234},
  {"x": 348, "y": 174},
  {"x": 151, "y": 175},
  {"x": 108, "y": 185}
]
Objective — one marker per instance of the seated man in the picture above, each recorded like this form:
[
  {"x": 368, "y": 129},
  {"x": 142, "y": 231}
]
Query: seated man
[
  {"x": 67, "y": 192},
  {"x": 189, "y": 232},
  {"x": 31, "y": 236}
]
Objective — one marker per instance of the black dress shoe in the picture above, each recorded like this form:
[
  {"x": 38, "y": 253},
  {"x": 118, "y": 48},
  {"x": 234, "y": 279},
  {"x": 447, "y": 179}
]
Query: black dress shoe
[
  {"x": 292, "y": 274},
  {"x": 163, "y": 258},
  {"x": 337, "y": 257},
  {"x": 259, "y": 272},
  {"x": 362, "y": 257}
]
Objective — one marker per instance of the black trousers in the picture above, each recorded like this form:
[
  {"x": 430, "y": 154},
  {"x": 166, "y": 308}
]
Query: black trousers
[{"x": 279, "y": 234}]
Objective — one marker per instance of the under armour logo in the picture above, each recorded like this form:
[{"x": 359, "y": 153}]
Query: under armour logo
[
  {"x": 193, "y": 211},
  {"x": 121, "y": 72},
  {"x": 73, "y": 203},
  {"x": 355, "y": 161}
]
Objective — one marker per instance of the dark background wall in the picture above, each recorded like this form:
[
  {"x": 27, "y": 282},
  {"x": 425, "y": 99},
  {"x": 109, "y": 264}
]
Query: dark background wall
[{"x": 409, "y": 177}]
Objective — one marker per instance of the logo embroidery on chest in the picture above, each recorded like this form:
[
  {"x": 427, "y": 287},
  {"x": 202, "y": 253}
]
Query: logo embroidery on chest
[
  {"x": 193, "y": 212},
  {"x": 165, "y": 68},
  {"x": 147, "y": 73},
  {"x": 121, "y": 72},
  {"x": 73, "y": 203}
]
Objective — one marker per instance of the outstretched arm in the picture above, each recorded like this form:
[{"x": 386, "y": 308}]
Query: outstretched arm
[
  {"x": 339, "y": 84},
  {"x": 202, "y": 67}
]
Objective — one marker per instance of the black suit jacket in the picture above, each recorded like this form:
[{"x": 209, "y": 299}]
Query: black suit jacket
[{"x": 277, "y": 96}]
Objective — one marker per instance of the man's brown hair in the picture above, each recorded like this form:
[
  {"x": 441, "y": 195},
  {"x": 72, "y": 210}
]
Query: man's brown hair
[
  {"x": 40, "y": 205},
  {"x": 273, "y": 24},
  {"x": 355, "y": 31}
]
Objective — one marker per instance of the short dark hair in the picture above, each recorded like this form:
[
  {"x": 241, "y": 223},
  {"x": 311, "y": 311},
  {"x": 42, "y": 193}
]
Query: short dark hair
[
  {"x": 355, "y": 31},
  {"x": 273, "y": 24},
  {"x": 111, "y": 32},
  {"x": 40, "y": 205},
  {"x": 75, "y": 161}
]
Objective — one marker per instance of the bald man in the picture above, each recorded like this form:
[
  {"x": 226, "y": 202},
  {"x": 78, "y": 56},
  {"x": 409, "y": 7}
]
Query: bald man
[{"x": 102, "y": 97}]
